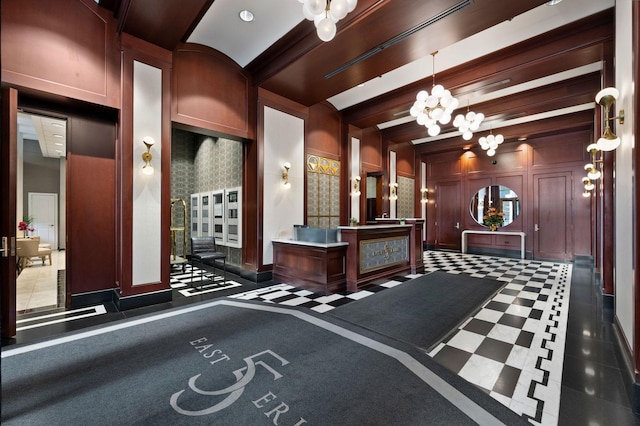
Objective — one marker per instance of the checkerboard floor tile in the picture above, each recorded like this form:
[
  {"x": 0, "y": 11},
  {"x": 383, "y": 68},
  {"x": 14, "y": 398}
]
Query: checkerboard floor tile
[
  {"x": 512, "y": 347},
  {"x": 193, "y": 281}
]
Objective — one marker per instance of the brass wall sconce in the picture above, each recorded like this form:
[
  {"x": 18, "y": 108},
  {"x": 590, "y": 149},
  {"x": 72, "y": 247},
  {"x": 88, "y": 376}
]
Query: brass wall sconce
[
  {"x": 147, "y": 169},
  {"x": 424, "y": 192},
  {"x": 285, "y": 175},
  {"x": 356, "y": 186},
  {"x": 394, "y": 191},
  {"x": 605, "y": 98}
]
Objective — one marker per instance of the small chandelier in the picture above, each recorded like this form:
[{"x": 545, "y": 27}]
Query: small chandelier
[
  {"x": 325, "y": 14},
  {"x": 468, "y": 123},
  {"x": 490, "y": 143},
  {"x": 429, "y": 110}
]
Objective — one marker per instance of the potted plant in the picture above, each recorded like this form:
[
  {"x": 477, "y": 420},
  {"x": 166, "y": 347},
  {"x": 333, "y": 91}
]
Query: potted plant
[
  {"x": 353, "y": 221},
  {"x": 493, "y": 218}
]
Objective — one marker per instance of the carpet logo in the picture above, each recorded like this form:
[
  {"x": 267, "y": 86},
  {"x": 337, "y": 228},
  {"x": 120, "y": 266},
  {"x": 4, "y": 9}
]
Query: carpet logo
[{"x": 242, "y": 375}]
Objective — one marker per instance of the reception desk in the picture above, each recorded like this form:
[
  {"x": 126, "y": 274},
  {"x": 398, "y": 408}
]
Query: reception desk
[
  {"x": 317, "y": 267},
  {"x": 380, "y": 251}
]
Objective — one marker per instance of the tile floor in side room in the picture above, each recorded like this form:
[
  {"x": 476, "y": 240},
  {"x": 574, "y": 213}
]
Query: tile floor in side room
[{"x": 513, "y": 347}]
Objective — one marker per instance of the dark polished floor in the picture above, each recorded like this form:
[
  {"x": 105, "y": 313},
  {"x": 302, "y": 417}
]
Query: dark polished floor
[
  {"x": 594, "y": 381},
  {"x": 594, "y": 391}
]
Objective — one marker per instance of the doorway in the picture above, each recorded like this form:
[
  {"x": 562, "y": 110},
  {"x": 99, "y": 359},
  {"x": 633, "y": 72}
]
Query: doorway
[
  {"x": 41, "y": 166},
  {"x": 374, "y": 193}
]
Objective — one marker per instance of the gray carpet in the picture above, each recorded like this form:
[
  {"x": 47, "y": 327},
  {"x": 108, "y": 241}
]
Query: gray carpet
[
  {"x": 421, "y": 311},
  {"x": 230, "y": 362}
]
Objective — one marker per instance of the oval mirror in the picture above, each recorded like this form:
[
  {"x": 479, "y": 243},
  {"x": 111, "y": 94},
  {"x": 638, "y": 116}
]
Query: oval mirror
[{"x": 505, "y": 202}]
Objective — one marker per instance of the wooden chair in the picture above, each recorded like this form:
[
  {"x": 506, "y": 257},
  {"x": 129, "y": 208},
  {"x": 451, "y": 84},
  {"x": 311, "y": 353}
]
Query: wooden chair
[{"x": 204, "y": 249}]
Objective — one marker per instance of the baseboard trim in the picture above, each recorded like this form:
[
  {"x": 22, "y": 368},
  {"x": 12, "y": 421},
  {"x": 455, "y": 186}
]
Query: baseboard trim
[
  {"x": 139, "y": 300},
  {"x": 82, "y": 300}
]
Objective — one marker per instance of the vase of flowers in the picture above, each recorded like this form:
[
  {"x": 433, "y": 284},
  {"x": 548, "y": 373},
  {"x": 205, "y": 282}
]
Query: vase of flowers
[
  {"x": 25, "y": 225},
  {"x": 493, "y": 218}
]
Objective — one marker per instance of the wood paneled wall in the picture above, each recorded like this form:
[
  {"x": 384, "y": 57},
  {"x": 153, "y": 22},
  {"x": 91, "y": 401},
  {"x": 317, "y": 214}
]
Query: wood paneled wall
[
  {"x": 517, "y": 166},
  {"x": 75, "y": 55},
  {"x": 211, "y": 92}
]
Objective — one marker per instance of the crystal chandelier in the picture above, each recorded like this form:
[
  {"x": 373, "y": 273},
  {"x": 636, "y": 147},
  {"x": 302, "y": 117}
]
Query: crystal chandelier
[
  {"x": 325, "y": 14},
  {"x": 429, "y": 110}
]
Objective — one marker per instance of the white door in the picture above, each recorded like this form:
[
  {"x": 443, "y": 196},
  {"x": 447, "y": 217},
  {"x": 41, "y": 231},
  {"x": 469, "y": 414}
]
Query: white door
[{"x": 43, "y": 208}]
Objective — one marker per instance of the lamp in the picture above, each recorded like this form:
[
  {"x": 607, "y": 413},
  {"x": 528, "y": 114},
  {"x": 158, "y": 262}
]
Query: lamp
[
  {"x": 424, "y": 195},
  {"x": 394, "y": 191},
  {"x": 429, "y": 110},
  {"x": 147, "y": 169},
  {"x": 490, "y": 143},
  {"x": 468, "y": 123},
  {"x": 285, "y": 175},
  {"x": 325, "y": 14},
  {"x": 592, "y": 171},
  {"x": 588, "y": 185},
  {"x": 356, "y": 186},
  {"x": 605, "y": 98}
]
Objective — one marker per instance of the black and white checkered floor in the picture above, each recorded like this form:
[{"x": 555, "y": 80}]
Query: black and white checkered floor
[
  {"x": 513, "y": 347},
  {"x": 192, "y": 281}
]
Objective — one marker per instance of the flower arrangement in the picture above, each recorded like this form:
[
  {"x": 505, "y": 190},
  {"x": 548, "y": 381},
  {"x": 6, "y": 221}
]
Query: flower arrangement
[
  {"x": 493, "y": 219},
  {"x": 353, "y": 221},
  {"x": 25, "y": 225}
]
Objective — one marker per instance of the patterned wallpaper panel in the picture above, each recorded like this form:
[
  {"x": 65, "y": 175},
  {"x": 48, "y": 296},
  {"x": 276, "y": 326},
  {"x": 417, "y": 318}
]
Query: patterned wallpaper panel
[
  {"x": 202, "y": 163},
  {"x": 323, "y": 192},
  {"x": 406, "y": 197}
]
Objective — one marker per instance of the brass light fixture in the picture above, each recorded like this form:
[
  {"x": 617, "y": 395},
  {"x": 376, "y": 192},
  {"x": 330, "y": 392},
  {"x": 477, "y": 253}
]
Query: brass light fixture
[
  {"x": 429, "y": 110},
  {"x": 147, "y": 169},
  {"x": 356, "y": 186},
  {"x": 285, "y": 175},
  {"x": 424, "y": 192},
  {"x": 325, "y": 14},
  {"x": 394, "y": 191},
  {"x": 605, "y": 98}
]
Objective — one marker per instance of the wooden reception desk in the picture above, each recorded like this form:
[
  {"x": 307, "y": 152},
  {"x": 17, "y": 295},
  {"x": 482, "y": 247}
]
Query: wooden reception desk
[
  {"x": 380, "y": 251},
  {"x": 364, "y": 254}
]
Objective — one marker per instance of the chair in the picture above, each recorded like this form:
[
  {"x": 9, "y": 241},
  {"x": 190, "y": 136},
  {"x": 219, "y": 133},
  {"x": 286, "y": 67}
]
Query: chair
[
  {"x": 26, "y": 248},
  {"x": 44, "y": 250},
  {"x": 204, "y": 249}
]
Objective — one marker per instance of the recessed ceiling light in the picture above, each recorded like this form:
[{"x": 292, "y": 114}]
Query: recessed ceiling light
[
  {"x": 246, "y": 15},
  {"x": 361, "y": 85},
  {"x": 55, "y": 135},
  {"x": 553, "y": 2},
  {"x": 59, "y": 144},
  {"x": 522, "y": 138},
  {"x": 59, "y": 125}
]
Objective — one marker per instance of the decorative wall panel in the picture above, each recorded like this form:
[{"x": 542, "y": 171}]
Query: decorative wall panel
[
  {"x": 323, "y": 192},
  {"x": 406, "y": 197}
]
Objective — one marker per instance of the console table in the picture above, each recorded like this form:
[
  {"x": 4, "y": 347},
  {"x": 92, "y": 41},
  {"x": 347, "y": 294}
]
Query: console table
[{"x": 471, "y": 231}]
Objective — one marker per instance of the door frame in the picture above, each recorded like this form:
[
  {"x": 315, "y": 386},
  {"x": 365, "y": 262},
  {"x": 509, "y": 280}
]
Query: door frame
[{"x": 8, "y": 228}]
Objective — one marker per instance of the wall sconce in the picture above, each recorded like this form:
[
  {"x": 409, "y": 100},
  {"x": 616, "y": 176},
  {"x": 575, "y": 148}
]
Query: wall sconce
[
  {"x": 285, "y": 175},
  {"x": 394, "y": 191},
  {"x": 592, "y": 172},
  {"x": 424, "y": 195},
  {"x": 147, "y": 169},
  {"x": 605, "y": 98},
  {"x": 356, "y": 186}
]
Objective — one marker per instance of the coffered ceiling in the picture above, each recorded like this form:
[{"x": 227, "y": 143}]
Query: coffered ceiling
[{"x": 381, "y": 55}]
